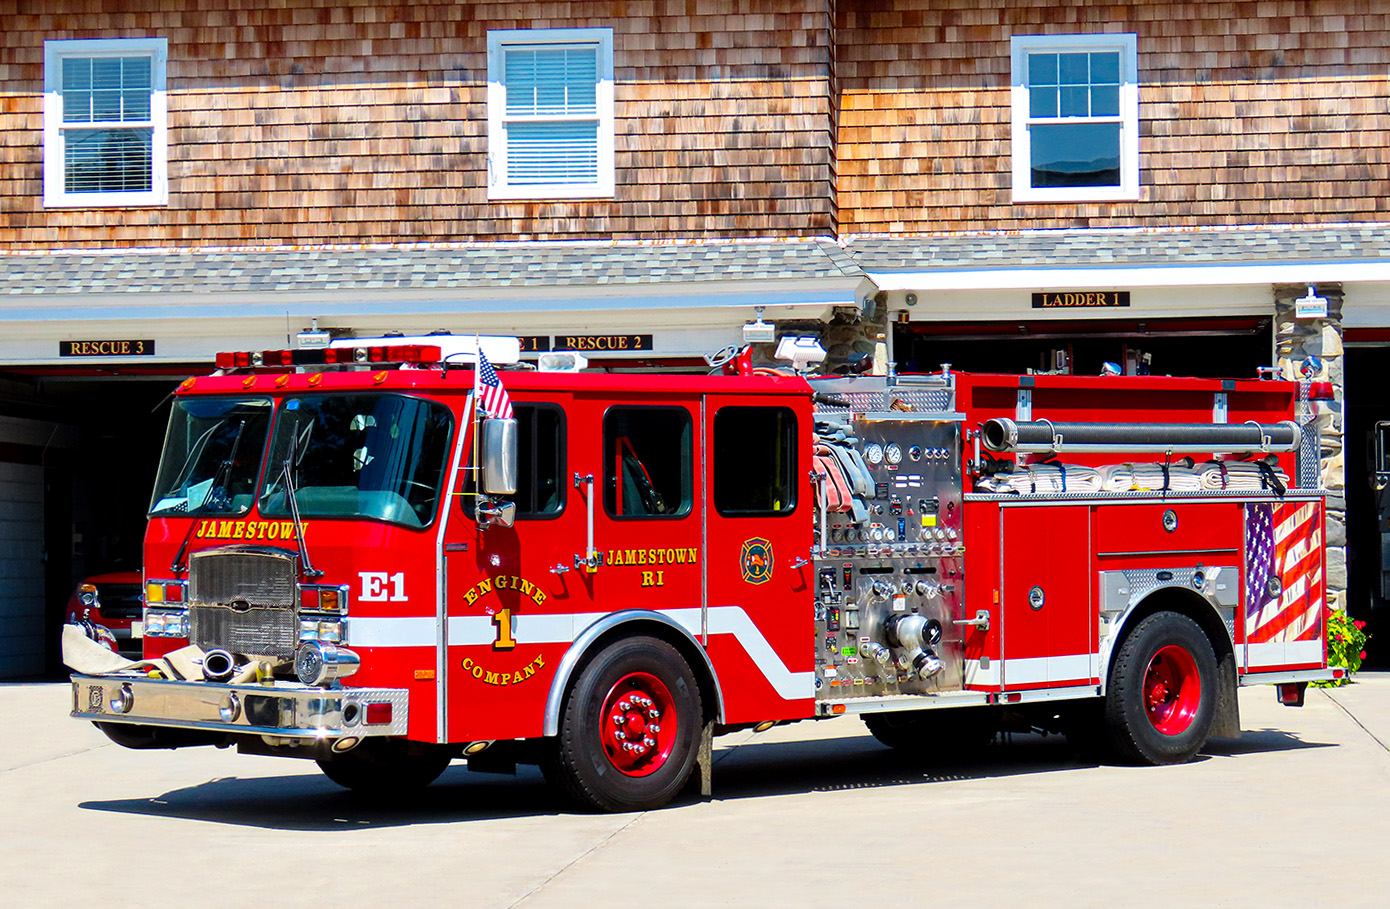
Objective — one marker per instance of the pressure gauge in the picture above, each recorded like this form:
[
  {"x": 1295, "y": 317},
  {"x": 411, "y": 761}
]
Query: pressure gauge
[
  {"x": 915, "y": 452},
  {"x": 893, "y": 453},
  {"x": 873, "y": 453}
]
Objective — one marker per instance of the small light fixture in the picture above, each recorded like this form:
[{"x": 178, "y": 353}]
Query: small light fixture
[
  {"x": 759, "y": 332},
  {"x": 910, "y": 299},
  {"x": 802, "y": 351},
  {"x": 313, "y": 337},
  {"x": 1311, "y": 306}
]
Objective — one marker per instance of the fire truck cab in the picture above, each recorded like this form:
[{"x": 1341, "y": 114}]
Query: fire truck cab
[{"x": 348, "y": 560}]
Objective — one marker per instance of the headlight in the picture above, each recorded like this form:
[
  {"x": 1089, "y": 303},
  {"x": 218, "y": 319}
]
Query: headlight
[
  {"x": 316, "y": 663},
  {"x": 327, "y": 631},
  {"x": 166, "y": 624}
]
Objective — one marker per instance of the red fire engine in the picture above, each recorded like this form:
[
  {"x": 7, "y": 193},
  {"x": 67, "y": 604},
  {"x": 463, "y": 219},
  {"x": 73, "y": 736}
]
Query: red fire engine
[{"x": 349, "y": 559}]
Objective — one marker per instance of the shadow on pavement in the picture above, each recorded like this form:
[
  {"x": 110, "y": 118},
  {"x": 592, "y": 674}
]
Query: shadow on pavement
[
  {"x": 749, "y": 770},
  {"x": 311, "y": 802},
  {"x": 1256, "y": 741}
]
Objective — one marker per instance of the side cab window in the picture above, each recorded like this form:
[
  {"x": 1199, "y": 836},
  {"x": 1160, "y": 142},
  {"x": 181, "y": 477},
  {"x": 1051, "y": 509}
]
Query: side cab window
[
  {"x": 754, "y": 460},
  {"x": 541, "y": 443},
  {"x": 647, "y": 462}
]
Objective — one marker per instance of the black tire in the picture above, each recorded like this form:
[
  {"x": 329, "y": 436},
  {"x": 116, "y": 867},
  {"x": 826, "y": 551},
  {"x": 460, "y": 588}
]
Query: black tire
[
  {"x": 584, "y": 760},
  {"x": 1153, "y": 713},
  {"x": 379, "y": 767},
  {"x": 941, "y": 733},
  {"x": 145, "y": 737}
]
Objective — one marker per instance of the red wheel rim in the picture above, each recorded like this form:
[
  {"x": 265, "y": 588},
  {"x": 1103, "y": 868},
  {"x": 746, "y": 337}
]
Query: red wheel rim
[
  {"x": 639, "y": 724},
  {"x": 1172, "y": 690}
]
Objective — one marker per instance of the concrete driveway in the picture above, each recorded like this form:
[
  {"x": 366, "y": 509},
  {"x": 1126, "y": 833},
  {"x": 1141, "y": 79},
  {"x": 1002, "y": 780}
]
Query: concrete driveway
[{"x": 1295, "y": 813}]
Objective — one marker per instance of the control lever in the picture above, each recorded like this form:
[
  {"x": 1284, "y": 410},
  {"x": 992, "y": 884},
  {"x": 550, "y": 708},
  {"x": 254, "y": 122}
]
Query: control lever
[{"x": 981, "y": 620}]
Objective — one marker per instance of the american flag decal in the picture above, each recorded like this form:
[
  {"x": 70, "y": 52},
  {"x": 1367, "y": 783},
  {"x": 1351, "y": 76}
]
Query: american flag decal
[
  {"x": 1283, "y": 541},
  {"x": 492, "y": 397}
]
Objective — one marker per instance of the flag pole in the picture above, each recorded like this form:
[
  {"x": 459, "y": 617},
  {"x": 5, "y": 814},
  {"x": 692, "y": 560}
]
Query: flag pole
[{"x": 477, "y": 422}]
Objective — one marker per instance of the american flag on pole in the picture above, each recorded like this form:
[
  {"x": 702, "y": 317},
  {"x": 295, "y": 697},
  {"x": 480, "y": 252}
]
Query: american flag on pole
[
  {"x": 1285, "y": 541},
  {"x": 492, "y": 397}
]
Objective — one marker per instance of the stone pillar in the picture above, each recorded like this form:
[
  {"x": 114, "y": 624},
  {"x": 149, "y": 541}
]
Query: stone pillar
[
  {"x": 847, "y": 335},
  {"x": 1295, "y": 340}
]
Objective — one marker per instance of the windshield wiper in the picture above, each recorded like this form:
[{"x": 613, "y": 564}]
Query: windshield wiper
[{"x": 308, "y": 569}]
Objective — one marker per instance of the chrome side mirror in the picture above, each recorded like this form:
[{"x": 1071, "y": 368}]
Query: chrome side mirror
[
  {"x": 498, "y": 447},
  {"x": 501, "y": 514}
]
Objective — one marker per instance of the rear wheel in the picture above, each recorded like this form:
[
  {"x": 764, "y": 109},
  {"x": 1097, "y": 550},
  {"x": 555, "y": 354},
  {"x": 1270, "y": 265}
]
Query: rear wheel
[
  {"x": 1162, "y": 695},
  {"x": 385, "y": 767},
  {"x": 630, "y": 728}
]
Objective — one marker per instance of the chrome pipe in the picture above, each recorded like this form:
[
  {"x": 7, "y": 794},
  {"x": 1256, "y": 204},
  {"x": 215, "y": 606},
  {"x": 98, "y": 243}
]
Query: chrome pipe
[
  {"x": 218, "y": 665},
  {"x": 1038, "y": 436}
]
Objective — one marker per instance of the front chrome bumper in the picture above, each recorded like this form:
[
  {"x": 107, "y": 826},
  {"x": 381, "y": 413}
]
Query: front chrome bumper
[{"x": 283, "y": 709}]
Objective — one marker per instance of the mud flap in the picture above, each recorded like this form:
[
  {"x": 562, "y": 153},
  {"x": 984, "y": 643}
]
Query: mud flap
[
  {"x": 704, "y": 761},
  {"x": 1226, "y": 723}
]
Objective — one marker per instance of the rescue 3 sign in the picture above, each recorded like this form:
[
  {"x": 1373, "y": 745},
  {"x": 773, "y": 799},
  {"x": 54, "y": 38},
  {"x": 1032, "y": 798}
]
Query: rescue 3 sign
[{"x": 141, "y": 348}]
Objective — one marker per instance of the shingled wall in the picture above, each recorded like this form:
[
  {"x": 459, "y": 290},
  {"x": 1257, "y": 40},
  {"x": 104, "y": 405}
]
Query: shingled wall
[
  {"x": 304, "y": 122},
  {"x": 1251, "y": 111}
]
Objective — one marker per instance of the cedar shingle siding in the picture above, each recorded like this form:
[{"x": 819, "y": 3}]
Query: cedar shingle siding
[
  {"x": 301, "y": 122},
  {"x": 1266, "y": 111}
]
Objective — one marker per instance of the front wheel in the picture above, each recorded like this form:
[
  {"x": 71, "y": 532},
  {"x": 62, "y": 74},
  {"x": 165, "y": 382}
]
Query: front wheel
[
  {"x": 379, "y": 767},
  {"x": 630, "y": 728},
  {"x": 1162, "y": 696}
]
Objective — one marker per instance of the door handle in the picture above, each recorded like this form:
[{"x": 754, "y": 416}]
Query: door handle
[
  {"x": 592, "y": 558},
  {"x": 981, "y": 620}
]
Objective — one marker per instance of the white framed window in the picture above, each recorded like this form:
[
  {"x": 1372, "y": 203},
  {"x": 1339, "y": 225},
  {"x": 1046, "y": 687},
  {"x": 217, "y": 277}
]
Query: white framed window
[
  {"x": 105, "y": 123},
  {"x": 550, "y": 113},
  {"x": 1075, "y": 118}
]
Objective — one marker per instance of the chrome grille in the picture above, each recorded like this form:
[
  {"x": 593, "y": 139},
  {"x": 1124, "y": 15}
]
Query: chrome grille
[
  {"x": 264, "y": 631},
  {"x": 254, "y": 578},
  {"x": 244, "y": 602}
]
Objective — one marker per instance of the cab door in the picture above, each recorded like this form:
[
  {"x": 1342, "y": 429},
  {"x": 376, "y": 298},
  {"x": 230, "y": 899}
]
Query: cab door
[
  {"x": 760, "y": 620},
  {"x": 512, "y": 593},
  {"x": 640, "y": 475}
]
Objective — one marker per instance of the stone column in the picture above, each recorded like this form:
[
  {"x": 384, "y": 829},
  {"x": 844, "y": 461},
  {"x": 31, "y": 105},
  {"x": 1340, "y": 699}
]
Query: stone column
[{"x": 1295, "y": 340}]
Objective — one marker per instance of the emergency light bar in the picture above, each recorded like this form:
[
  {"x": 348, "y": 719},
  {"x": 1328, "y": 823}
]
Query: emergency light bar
[
  {"x": 328, "y": 356},
  {"x": 455, "y": 349}
]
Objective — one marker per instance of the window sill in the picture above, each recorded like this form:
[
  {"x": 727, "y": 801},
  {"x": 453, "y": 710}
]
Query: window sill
[
  {"x": 106, "y": 200},
  {"x": 551, "y": 192},
  {"x": 1075, "y": 194}
]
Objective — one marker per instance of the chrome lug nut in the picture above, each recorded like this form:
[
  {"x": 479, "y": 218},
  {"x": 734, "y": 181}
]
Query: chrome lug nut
[
  {"x": 654, "y": 714},
  {"x": 649, "y": 742},
  {"x": 624, "y": 706},
  {"x": 654, "y": 729}
]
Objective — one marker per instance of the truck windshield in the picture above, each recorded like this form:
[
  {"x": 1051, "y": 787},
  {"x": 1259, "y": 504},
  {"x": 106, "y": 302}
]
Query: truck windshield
[
  {"x": 375, "y": 456},
  {"x": 212, "y": 454}
]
